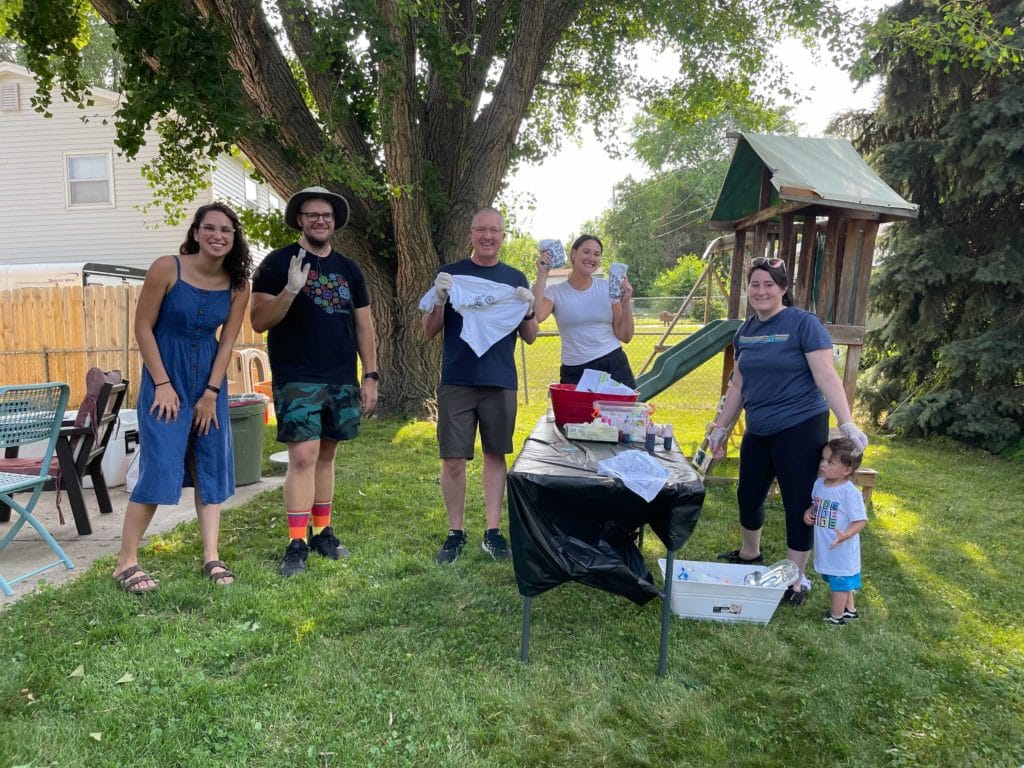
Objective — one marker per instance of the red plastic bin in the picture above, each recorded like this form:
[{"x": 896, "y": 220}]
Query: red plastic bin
[{"x": 572, "y": 407}]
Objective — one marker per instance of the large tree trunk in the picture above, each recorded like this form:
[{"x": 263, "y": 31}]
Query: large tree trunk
[{"x": 399, "y": 238}]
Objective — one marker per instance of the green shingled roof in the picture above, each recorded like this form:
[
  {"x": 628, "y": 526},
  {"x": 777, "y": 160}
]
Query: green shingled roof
[{"x": 822, "y": 172}]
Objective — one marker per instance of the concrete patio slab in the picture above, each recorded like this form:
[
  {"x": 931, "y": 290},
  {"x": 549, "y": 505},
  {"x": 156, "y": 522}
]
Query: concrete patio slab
[{"x": 28, "y": 552}]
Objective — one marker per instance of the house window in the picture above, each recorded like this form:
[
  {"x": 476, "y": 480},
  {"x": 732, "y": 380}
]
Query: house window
[
  {"x": 275, "y": 203},
  {"x": 252, "y": 192},
  {"x": 89, "y": 179}
]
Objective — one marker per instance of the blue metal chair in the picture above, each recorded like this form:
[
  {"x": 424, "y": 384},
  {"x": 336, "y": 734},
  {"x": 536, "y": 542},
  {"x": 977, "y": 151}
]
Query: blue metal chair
[{"x": 30, "y": 413}]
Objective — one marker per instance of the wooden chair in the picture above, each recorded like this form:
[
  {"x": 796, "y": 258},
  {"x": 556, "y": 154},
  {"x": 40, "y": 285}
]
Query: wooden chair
[
  {"x": 30, "y": 413},
  {"x": 80, "y": 449}
]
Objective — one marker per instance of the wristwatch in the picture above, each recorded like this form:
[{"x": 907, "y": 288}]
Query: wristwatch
[
  {"x": 371, "y": 375},
  {"x": 530, "y": 316}
]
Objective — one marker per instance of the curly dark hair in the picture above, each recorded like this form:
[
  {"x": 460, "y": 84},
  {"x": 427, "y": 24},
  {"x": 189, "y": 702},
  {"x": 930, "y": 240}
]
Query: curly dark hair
[
  {"x": 238, "y": 262},
  {"x": 844, "y": 450}
]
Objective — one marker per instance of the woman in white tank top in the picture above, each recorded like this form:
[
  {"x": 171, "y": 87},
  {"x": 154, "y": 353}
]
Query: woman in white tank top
[{"x": 592, "y": 326}]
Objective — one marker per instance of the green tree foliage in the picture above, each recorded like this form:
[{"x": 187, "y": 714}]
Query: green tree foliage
[
  {"x": 656, "y": 220},
  {"x": 950, "y": 358},
  {"x": 680, "y": 279},
  {"x": 415, "y": 110}
]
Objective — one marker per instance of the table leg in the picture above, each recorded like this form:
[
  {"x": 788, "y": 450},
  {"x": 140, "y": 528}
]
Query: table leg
[
  {"x": 666, "y": 614},
  {"x": 524, "y": 643}
]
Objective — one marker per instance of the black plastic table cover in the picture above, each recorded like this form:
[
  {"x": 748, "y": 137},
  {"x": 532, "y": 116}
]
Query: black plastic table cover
[{"x": 567, "y": 523}]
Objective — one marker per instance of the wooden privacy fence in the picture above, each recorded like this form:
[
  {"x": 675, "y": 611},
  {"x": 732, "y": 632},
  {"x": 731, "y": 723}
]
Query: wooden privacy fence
[{"x": 59, "y": 333}]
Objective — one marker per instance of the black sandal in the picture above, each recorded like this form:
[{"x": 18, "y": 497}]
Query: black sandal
[
  {"x": 219, "y": 577},
  {"x": 733, "y": 556}
]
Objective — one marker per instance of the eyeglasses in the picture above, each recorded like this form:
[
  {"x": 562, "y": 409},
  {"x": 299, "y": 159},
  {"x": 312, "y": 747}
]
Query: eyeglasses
[
  {"x": 209, "y": 229},
  {"x": 315, "y": 216},
  {"x": 493, "y": 231},
  {"x": 762, "y": 261}
]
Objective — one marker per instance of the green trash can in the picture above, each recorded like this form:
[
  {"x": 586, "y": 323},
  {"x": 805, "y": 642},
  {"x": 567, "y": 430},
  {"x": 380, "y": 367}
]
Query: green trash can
[{"x": 248, "y": 414}]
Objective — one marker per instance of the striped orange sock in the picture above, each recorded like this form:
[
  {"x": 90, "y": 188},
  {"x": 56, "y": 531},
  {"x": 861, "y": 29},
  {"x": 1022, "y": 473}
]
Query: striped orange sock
[
  {"x": 321, "y": 515},
  {"x": 297, "y": 523}
]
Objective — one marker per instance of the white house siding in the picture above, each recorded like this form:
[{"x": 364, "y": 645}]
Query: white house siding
[{"x": 36, "y": 222}]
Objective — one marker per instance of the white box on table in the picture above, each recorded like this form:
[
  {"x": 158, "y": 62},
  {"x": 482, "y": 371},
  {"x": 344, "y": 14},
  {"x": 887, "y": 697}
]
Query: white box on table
[{"x": 722, "y": 602}]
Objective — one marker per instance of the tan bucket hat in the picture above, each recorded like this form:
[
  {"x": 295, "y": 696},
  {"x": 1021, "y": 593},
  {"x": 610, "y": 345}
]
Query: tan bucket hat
[{"x": 338, "y": 203}]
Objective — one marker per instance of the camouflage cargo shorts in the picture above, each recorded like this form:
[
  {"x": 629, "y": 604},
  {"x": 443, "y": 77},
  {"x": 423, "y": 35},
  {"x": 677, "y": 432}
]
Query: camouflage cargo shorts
[{"x": 314, "y": 411}]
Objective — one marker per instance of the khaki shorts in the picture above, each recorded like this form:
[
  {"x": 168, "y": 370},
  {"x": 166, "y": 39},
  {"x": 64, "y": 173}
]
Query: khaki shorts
[
  {"x": 314, "y": 411},
  {"x": 461, "y": 409}
]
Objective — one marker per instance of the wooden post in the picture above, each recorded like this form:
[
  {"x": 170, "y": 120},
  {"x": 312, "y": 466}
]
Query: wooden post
[
  {"x": 736, "y": 273},
  {"x": 805, "y": 269},
  {"x": 826, "y": 290}
]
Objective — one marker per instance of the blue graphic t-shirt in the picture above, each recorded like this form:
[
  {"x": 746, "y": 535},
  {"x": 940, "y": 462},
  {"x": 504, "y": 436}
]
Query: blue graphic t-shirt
[
  {"x": 316, "y": 340},
  {"x": 778, "y": 389}
]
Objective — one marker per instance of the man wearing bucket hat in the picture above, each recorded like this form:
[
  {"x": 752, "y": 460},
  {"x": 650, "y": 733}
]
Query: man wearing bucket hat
[
  {"x": 476, "y": 390},
  {"x": 314, "y": 304}
]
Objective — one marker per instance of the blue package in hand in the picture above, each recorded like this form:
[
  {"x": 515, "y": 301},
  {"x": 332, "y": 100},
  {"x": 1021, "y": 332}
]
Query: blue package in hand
[{"x": 555, "y": 250}]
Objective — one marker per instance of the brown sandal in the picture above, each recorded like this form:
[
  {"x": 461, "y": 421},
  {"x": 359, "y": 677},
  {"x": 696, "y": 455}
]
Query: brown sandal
[
  {"x": 131, "y": 577},
  {"x": 219, "y": 577}
]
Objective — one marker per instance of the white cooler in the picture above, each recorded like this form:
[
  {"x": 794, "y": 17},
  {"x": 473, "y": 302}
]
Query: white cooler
[
  {"x": 124, "y": 441},
  {"x": 729, "y": 601}
]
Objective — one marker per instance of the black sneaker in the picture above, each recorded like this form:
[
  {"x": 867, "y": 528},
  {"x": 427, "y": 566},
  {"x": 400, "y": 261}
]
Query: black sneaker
[
  {"x": 792, "y": 597},
  {"x": 831, "y": 620},
  {"x": 294, "y": 558},
  {"x": 452, "y": 548},
  {"x": 326, "y": 544},
  {"x": 848, "y": 615},
  {"x": 495, "y": 545}
]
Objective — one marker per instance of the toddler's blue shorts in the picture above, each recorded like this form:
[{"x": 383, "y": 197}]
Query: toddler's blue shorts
[{"x": 842, "y": 583}]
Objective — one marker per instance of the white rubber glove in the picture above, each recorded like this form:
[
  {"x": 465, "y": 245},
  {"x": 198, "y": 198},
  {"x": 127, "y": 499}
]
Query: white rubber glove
[
  {"x": 442, "y": 284},
  {"x": 525, "y": 294},
  {"x": 297, "y": 273},
  {"x": 850, "y": 430},
  {"x": 716, "y": 437}
]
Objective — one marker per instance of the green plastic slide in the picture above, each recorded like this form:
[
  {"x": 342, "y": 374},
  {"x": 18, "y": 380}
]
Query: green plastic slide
[{"x": 690, "y": 353}]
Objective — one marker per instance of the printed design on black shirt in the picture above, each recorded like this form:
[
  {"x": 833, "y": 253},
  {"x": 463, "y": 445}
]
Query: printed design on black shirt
[{"x": 329, "y": 292}]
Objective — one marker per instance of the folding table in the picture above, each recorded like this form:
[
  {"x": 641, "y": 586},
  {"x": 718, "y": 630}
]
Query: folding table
[{"x": 567, "y": 523}]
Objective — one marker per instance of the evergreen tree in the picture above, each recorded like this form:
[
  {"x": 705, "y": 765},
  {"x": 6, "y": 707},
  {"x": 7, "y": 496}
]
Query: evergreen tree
[{"x": 950, "y": 357}]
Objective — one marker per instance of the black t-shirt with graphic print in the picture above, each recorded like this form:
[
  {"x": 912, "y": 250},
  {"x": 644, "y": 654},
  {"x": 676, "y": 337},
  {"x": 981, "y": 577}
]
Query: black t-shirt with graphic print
[{"x": 316, "y": 340}]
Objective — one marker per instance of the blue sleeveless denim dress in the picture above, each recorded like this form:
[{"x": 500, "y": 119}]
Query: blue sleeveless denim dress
[{"x": 186, "y": 337}]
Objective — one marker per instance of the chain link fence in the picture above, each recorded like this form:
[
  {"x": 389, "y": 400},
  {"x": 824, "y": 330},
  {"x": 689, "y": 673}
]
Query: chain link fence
[{"x": 688, "y": 404}]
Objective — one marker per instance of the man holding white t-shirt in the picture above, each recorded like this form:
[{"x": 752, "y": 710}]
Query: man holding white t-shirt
[{"x": 476, "y": 390}]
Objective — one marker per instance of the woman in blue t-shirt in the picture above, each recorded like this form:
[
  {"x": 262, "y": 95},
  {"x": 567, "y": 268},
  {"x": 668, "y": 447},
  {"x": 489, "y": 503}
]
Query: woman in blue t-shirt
[{"x": 785, "y": 381}]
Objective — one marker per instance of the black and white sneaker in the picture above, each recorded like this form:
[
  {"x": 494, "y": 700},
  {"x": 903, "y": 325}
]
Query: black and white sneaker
[
  {"x": 294, "y": 561},
  {"x": 831, "y": 620},
  {"x": 326, "y": 544},
  {"x": 452, "y": 547},
  {"x": 495, "y": 545},
  {"x": 850, "y": 615}
]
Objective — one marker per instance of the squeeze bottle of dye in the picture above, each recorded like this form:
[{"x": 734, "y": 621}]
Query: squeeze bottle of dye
[
  {"x": 667, "y": 437},
  {"x": 649, "y": 438}
]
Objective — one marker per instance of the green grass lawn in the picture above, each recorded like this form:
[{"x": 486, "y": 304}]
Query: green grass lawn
[{"x": 389, "y": 660}]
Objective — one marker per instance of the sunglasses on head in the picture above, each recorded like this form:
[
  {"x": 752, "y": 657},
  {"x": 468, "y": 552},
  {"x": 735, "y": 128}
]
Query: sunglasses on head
[{"x": 763, "y": 261}]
